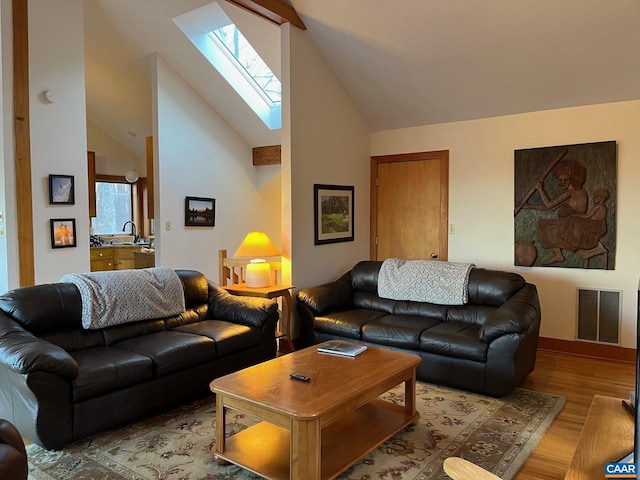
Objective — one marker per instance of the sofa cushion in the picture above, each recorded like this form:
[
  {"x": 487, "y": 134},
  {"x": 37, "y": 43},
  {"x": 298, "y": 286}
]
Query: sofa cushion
[
  {"x": 371, "y": 301},
  {"x": 58, "y": 307},
  {"x": 106, "y": 369},
  {"x": 171, "y": 351},
  {"x": 75, "y": 339},
  {"x": 126, "y": 331},
  {"x": 196, "y": 287},
  {"x": 493, "y": 287},
  {"x": 348, "y": 323},
  {"x": 476, "y": 314},
  {"x": 364, "y": 276},
  {"x": 402, "y": 331},
  {"x": 228, "y": 337},
  {"x": 438, "y": 312},
  {"x": 454, "y": 339}
]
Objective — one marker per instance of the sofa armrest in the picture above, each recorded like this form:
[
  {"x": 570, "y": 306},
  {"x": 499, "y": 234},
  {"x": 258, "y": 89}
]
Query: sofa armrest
[
  {"x": 13, "y": 456},
  {"x": 250, "y": 311},
  {"x": 329, "y": 297},
  {"x": 24, "y": 353},
  {"x": 515, "y": 316}
]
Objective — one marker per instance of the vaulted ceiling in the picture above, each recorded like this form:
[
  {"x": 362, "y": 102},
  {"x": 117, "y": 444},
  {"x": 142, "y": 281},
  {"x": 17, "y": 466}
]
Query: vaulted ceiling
[{"x": 404, "y": 63}]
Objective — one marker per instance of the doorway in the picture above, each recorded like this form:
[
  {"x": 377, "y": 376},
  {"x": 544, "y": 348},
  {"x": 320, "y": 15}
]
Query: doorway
[{"x": 410, "y": 206}]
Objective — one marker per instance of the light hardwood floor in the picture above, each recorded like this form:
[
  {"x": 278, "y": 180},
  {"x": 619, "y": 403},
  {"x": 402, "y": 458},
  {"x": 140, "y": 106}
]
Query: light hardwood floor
[{"x": 578, "y": 379}]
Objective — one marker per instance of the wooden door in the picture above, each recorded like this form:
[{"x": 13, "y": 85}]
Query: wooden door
[{"x": 409, "y": 206}]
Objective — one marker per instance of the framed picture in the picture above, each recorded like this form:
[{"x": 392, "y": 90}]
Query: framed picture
[
  {"x": 61, "y": 190},
  {"x": 333, "y": 213},
  {"x": 199, "y": 212},
  {"x": 63, "y": 232}
]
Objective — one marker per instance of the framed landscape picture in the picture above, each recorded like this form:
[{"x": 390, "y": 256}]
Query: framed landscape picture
[
  {"x": 199, "y": 212},
  {"x": 61, "y": 190},
  {"x": 333, "y": 213},
  {"x": 63, "y": 232}
]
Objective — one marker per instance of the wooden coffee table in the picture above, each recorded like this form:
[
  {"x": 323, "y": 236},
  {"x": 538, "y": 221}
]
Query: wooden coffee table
[{"x": 316, "y": 429}]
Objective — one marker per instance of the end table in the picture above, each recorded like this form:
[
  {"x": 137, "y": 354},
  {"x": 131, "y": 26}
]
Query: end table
[{"x": 271, "y": 292}]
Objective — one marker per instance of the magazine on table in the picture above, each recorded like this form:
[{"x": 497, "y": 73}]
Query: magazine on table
[{"x": 339, "y": 348}]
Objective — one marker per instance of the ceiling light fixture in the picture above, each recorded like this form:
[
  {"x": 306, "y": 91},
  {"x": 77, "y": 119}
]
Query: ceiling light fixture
[{"x": 132, "y": 174}]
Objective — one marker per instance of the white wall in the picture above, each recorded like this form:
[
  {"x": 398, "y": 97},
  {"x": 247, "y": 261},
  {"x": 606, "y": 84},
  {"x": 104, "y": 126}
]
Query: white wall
[
  {"x": 481, "y": 198},
  {"x": 198, "y": 154},
  {"x": 326, "y": 142},
  {"x": 58, "y": 131},
  {"x": 112, "y": 157}
]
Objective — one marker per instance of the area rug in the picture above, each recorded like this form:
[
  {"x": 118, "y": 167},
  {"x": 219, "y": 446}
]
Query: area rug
[{"x": 497, "y": 434}]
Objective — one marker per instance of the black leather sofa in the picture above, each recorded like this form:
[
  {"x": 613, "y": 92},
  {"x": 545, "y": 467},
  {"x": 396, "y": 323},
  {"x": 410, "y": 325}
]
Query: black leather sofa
[
  {"x": 60, "y": 382},
  {"x": 13, "y": 456},
  {"x": 487, "y": 345}
]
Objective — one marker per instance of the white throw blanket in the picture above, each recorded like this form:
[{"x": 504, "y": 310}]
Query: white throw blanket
[
  {"x": 115, "y": 297},
  {"x": 443, "y": 283}
]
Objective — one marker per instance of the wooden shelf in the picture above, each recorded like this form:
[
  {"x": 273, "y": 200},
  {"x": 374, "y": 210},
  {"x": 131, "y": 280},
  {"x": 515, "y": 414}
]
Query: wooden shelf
[{"x": 265, "y": 448}]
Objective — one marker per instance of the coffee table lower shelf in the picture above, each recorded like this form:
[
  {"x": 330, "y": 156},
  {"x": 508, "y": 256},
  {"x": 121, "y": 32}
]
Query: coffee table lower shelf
[{"x": 265, "y": 448}]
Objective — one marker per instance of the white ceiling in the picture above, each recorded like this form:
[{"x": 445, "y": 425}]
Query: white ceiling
[{"x": 405, "y": 63}]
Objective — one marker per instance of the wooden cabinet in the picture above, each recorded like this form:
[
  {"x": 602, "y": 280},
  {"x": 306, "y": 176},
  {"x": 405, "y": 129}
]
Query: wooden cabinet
[
  {"x": 103, "y": 259},
  {"x": 112, "y": 258},
  {"x": 144, "y": 259},
  {"x": 124, "y": 257}
]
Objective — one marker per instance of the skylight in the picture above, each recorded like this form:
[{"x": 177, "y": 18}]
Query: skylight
[
  {"x": 231, "y": 41},
  {"x": 230, "y": 52}
]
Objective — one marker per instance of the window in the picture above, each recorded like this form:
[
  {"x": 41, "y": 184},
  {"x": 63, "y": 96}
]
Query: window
[
  {"x": 114, "y": 207},
  {"x": 229, "y": 51},
  {"x": 231, "y": 41}
]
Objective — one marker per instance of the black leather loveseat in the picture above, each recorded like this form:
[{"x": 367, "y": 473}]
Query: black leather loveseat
[
  {"x": 60, "y": 382},
  {"x": 487, "y": 345}
]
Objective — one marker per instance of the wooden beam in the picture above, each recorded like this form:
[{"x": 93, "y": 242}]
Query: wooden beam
[
  {"x": 91, "y": 167},
  {"x": 275, "y": 11},
  {"x": 151, "y": 212},
  {"x": 270, "y": 155},
  {"x": 22, "y": 137}
]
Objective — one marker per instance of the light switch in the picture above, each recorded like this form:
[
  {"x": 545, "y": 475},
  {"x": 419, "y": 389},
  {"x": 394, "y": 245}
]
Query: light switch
[
  {"x": 452, "y": 228},
  {"x": 167, "y": 226}
]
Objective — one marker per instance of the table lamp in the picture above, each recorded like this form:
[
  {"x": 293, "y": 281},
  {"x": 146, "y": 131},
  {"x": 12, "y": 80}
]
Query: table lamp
[{"x": 255, "y": 246}]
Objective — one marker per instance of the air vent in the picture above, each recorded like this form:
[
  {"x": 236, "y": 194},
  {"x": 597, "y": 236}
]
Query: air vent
[{"x": 599, "y": 313}]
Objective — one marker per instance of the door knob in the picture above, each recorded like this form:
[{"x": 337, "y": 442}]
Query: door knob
[{"x": 434, "y": 255}]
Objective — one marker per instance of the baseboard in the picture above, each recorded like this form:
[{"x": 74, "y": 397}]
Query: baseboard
[{"x": 587, "y": 349}]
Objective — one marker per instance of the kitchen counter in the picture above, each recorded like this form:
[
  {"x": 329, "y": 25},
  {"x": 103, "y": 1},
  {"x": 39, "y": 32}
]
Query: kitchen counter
[{"x": 115, "y": 256}]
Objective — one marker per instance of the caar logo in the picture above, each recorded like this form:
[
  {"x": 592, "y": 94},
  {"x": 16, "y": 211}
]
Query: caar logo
[{"x": 620, "y": 470}]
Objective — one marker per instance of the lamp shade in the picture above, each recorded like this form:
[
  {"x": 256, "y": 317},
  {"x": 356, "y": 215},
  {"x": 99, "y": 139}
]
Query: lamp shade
[{"x": 257, "y": 245}]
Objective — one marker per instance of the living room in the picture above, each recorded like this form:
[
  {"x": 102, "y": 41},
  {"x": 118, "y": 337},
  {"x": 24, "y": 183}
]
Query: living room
[
  {"x": 279, "y": 200},
  {"x": 200, "y": 154}
]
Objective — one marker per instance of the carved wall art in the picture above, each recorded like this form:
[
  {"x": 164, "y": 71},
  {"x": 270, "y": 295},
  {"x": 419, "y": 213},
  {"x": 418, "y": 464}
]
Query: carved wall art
[{"x": 565, "y": 206}]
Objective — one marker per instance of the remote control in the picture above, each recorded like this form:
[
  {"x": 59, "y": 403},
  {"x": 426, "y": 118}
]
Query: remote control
[{"x": 297, "y": 376}]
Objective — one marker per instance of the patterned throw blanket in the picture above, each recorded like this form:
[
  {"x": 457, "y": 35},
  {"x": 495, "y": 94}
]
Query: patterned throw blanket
[
  {"x": 443, "y": 283},
  {"x": 115, "y": 297}
]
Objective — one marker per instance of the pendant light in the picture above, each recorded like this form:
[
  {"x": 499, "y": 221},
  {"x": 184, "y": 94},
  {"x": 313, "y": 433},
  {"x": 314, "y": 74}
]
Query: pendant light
[{"x": 132, "y": 174}]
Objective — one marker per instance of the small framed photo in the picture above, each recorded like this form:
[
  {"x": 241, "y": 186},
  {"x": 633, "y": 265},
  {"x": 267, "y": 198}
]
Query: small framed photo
[
  {"x": 199, "y": 212},
  {"x": 333, "y": 213},
  {"x": 61, "y": 190},
  {"x": 63, "y": 232}
]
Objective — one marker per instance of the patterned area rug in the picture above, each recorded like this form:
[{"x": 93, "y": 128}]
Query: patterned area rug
[{"x": 498, "y": 434}]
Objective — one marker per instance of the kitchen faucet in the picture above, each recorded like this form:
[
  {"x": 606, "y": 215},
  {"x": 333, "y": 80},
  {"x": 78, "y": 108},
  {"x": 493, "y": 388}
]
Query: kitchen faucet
[{"x": 134, "y": 230}]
